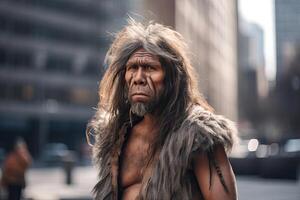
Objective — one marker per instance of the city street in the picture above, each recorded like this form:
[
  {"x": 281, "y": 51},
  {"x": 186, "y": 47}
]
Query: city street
[
  {"x": 49, "y": 184},
  {"x": 250, "y": 188}
]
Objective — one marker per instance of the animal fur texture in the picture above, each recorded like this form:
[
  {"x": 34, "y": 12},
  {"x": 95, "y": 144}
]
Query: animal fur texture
[{"x": 169, "y": 179}]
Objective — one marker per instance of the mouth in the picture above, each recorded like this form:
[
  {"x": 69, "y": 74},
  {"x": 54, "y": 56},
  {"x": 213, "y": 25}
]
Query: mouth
[
  {"x": 140, "y": 94},
  {"x": 139, "y": 97}
]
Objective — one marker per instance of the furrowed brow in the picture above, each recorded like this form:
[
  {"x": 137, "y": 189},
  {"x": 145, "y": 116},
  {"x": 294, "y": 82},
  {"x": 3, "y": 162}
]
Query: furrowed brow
[{"x": 142, "y": 62}]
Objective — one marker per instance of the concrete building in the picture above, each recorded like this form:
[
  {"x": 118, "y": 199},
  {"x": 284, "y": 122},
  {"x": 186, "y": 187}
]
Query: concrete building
[
  {"x": 287, "y": 22},
  {"x": 51, "y": 55},
  {"x": 253, "y": 84},
  {"x": 210, "y": 28}
]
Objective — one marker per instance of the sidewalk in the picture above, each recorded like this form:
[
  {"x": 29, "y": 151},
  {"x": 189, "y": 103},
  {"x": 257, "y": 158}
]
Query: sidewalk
[
  {"x": 251, "y": 187},
  {"x": 49, "y": 184}
]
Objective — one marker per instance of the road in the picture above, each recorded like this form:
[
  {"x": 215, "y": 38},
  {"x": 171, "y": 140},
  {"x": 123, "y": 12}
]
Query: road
[
  {"x": 49, "y": 184},
  {"x": 250, "y": 188}
]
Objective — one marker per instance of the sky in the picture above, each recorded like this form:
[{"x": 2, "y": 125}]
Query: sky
[{"x": 261, "y": 12}]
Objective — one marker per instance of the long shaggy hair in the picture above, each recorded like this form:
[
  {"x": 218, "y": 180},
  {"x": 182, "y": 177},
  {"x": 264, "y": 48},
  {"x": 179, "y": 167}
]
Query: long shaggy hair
[
  {"x": 180, "y": 82},
  {"x": 179, "y": 98}
]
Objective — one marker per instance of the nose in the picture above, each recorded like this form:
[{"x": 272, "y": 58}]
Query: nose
[{"x": 139, "y": 77}]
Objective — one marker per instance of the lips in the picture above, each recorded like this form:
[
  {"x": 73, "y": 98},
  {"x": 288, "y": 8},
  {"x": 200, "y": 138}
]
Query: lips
[
  {"x": 139, "y": 94},
  {"x": 139, "y": 97}
]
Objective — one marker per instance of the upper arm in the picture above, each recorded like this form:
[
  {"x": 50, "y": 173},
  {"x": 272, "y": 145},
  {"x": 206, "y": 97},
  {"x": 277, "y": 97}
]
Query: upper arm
[{"x": 210, "y": 182}]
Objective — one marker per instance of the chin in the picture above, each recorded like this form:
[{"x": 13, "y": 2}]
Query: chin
[{"x": 140, "y": 109}]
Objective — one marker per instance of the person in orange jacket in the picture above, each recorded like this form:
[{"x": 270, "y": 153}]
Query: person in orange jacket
[{"x": 14, "y": 168}]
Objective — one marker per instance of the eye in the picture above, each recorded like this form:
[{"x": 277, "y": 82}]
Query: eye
[
  {"x": 150, "y": 67},
  {"x": 131, "y": 67}
]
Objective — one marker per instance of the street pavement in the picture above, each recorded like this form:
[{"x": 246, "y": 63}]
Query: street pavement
[
  {"x": 250, "y": 188},
  {"x": 49, "y": 184}
]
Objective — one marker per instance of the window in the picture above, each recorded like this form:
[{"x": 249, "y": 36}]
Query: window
[
  {"x": 58, "y": 63},
  {"x": 93, "y": 67},
  {"x": 15, "y": 57}
]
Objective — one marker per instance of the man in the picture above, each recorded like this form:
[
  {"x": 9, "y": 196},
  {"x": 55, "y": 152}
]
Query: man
[{"x": 155, "y": 136}]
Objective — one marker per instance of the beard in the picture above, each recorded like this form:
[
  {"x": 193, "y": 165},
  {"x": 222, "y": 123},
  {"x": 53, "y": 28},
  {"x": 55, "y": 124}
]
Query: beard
[{"x": 141, "y": 109}]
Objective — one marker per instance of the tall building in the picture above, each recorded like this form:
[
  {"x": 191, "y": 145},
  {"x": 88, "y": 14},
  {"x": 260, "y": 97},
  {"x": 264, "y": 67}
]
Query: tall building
[
  {"x": 253, "y": 84},
  {"x": 51, "y": 55},
  {"x": 153, "y": 10},
  {"x": 210, "y": 28},
  {"x": 287, "y": 22}
]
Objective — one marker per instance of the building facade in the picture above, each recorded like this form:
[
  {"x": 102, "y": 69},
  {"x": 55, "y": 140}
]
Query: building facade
[
  {"x": 51, "y": 55},
  {"x": 253, "y": 84},
  {"x": 287, "y": 22},
  {"x": 210, "y": 28}
]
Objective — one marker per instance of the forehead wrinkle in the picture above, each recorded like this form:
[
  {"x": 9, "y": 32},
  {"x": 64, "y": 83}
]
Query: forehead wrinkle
[
  {"x": 143, "y": 60},
  {"x": 142, "y": 56}
]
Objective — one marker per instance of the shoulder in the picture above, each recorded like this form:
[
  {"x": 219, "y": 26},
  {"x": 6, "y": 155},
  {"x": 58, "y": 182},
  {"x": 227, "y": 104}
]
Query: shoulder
[{"x": 209, "y": 130}]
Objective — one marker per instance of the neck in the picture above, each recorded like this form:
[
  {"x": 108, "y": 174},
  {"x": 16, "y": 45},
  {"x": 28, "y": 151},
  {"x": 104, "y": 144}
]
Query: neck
[
  {"x": 148, "y": 126},
  {"x": 149, "y": 121}
]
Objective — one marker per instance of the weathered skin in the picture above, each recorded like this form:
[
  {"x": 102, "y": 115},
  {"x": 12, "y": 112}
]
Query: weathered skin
[
  {"x": 135, "y": 158},
  {"x": 144, "y": 76}
]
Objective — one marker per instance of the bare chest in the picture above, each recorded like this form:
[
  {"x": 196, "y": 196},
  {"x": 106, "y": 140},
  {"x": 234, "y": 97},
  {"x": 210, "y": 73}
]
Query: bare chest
[{"x": 134, "y": 159}]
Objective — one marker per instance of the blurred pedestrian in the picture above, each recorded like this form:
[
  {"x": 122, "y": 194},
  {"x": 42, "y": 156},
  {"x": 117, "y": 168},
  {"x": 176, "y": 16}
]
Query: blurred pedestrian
[{"x": 15, "y": 164}]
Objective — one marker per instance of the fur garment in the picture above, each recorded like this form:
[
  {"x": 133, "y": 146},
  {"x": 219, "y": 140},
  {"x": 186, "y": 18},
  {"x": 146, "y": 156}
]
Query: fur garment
[{"x": 201, "y": 130}]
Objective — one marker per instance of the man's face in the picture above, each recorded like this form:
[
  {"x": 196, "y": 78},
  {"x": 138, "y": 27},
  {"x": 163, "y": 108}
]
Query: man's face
[{"x": 145, "y": 81}]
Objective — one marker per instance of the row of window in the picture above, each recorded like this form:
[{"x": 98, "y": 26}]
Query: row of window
[
  {"x": 84, "y": 8},
  {"x": 27, "y": 28},
  {"x": 35, "y": 93},
  {"x": 15, "y": 58}
]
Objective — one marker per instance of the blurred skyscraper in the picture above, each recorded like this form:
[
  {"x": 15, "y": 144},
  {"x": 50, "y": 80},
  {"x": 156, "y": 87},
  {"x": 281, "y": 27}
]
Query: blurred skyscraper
[
  {"x": 287, "y": 92},
  {"x": 51, "y": 55},
  {"x": 210, "y": 28},
  {"x": 253, "y": 83},
  {"x": 287, "y": 21}
]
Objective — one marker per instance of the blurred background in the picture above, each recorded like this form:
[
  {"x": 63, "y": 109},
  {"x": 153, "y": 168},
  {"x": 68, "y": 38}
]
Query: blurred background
[{"x": 246, "y": 54}]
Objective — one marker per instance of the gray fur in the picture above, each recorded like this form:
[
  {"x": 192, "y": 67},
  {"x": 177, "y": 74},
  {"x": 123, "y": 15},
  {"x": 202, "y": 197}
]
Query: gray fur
[{"x": 201, "y": 130}]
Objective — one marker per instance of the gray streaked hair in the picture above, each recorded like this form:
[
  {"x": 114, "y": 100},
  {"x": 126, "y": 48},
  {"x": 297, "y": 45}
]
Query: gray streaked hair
[{"x": 180, "y": 91}]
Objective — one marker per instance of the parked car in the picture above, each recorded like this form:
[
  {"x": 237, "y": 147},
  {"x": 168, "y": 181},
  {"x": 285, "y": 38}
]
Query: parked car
[
  {"x": 292, "y": 148},
  {"x": 54, "y": 153},
  {"x": 285, "y": 164},
  {"x": 275, "y": 160},
  {"x": 246, "y": 157}
]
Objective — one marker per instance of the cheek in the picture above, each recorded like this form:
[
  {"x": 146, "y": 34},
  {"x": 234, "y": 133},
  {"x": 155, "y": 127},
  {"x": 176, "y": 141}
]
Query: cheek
[
  {"x": 159, "y": 82},
  {"x": 156, "y": 84},
  {"x": 160, "y": 89},
  {"x": 128, "y": 78}
]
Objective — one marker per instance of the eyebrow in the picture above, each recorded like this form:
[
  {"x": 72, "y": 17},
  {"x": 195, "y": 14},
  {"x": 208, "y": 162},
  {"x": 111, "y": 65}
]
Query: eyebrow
[{"x": 142, "y": 62}]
